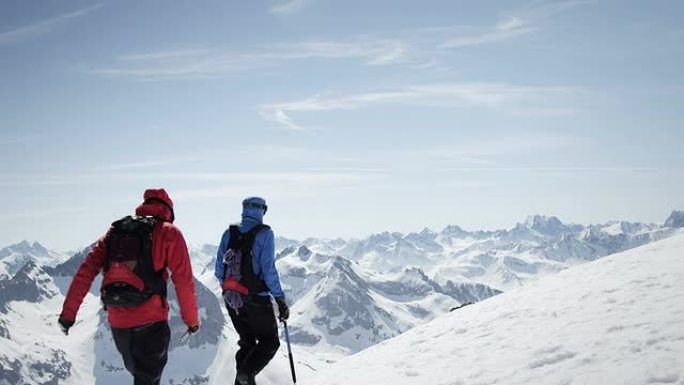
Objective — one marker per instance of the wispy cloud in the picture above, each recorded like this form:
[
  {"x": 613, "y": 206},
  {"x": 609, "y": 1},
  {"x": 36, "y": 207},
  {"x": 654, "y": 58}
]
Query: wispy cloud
[
  {"x": 514, "y": 24},
  {"x": 482, "y": 154},
  {"x": 147, "y": 164},
  {"x": 360, "y": 170},
  {"x": 41, "y": 27},
  {"x": 513, "y": 98},
  {"x": 215, "y": 62},
  {"x": 15, "y": 140},
  {"x": 277, "y": 183},
  {"x": 284, "y": 7},
  {"x": 504, "y": 30},
  {"x": 418, "y": 48},
  {"x": 246, "y": 178},
  {"x": 374, "y": 51},
  {"x": 567, "y": 169},
  {"x": 279, "y": 112},
  {"x": 43, "y": 212},
  {"x": 37, "y": 180},
  {"x": 303, "y": 177}
]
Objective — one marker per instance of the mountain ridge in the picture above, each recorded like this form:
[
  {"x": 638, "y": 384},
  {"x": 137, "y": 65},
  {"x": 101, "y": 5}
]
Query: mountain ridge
[{"x": 621, "y": 325}]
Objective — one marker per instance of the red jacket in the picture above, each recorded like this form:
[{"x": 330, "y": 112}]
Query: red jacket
[{"x": 168, "y": 249}]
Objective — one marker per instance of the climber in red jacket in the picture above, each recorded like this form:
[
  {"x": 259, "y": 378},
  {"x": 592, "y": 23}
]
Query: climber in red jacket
[{"x": 133, "y": 257}]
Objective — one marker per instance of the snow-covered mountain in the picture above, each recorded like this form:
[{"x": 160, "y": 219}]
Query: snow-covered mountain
[
  {"x": 501, "y": 259},
  {"x": 343, "y": 305},
  {"x": 349, "y": 295},
  {"x": 203, "y": 259},
  {"x": 28, "y": 353},
  {"x": 13, "y": 257},
  {"x": 617, "y": 320},
  {"x": 675, "y": 220},
  {"x": 346, "y": 296}
]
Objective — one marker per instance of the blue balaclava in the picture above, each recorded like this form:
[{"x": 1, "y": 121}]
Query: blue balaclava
[{"x": 254, "y": 208}]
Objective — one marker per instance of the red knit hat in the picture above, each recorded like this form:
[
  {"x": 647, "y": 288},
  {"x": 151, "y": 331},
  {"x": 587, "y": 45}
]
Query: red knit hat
[{"x": 160, "y": 194}]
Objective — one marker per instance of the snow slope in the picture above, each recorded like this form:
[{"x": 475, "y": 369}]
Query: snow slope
[{"x": 617, "y": 320}]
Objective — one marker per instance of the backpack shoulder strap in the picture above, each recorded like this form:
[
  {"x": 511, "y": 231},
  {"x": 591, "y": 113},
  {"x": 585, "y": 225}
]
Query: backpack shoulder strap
[
  {"x": 251, "y": 234},
  {"x": 235, "y": 237},
  {"x": 144, "y": 228},
  {"x": 118, "y": 228}
]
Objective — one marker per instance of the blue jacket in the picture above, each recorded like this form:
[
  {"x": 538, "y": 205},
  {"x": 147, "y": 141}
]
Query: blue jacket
[{"x": 263, "y": 253}]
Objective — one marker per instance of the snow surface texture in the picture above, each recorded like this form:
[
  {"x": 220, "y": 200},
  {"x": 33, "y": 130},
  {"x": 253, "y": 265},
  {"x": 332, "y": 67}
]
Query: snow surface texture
[{"x": 619, "y": 320}]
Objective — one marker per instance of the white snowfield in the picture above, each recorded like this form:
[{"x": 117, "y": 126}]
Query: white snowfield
[{"x": 617, "y": 320}]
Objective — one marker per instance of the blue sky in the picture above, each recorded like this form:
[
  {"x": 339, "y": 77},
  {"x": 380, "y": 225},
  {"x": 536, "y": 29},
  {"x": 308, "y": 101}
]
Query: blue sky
[{"x": 349, "y": 117}]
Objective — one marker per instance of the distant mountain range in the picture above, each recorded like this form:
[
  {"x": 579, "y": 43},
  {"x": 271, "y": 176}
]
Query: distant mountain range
[
  {"x": 502, "y": 259},
  {"x": 353, "y": 294},
  {"x": 614, "y": 321},
  {"x": 346, "y": 295}
]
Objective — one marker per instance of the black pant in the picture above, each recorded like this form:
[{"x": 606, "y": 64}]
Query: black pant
[
  {"x": 144, "y": 350},
  {"x": 256, "y": 325}
]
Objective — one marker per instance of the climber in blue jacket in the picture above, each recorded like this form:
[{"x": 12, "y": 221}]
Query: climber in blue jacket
[{"x": 247, "y": 291}]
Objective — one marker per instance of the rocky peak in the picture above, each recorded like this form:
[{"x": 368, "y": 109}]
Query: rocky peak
[
  {"x": 675, "y": 220},
  {"x": 545, "y": 225},
  {"x": 426, "y": 232},
  {"x": 26, "y": 248},
  {"x": 304, "y": 253},
  {"x": 453, "y": 230},
  {"x": 30, "y": 283}
]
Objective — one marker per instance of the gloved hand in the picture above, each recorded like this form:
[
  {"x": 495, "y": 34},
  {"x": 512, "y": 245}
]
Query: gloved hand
[
  {"x": 64, "y": 325},
  {"x": 283, "y": 309},
  {"x": 193, "y": 329}
]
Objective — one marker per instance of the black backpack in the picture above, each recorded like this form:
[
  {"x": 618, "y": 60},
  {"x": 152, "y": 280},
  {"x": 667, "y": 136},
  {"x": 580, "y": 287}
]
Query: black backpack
[
  {"x": 238, "y": 275},
  {"x": 129, "y": 275}
]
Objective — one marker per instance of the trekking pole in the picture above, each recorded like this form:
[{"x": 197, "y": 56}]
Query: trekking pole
[
  {"x": 183, "y": 335},
  {"x": 188, "y": 333},
  {"x": 289, "y": 352}
]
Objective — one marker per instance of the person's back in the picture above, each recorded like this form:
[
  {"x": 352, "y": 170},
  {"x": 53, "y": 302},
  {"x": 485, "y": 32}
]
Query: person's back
[
  {"x": 140, "y": 331},
  {"x": 245, "y": 268}
]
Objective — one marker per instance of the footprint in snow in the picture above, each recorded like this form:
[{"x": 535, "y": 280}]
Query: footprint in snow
[
  {"x": 551, "y": 357},
  {"x": 615, "y": 328},
  {"x": 667, "y": 378}
]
